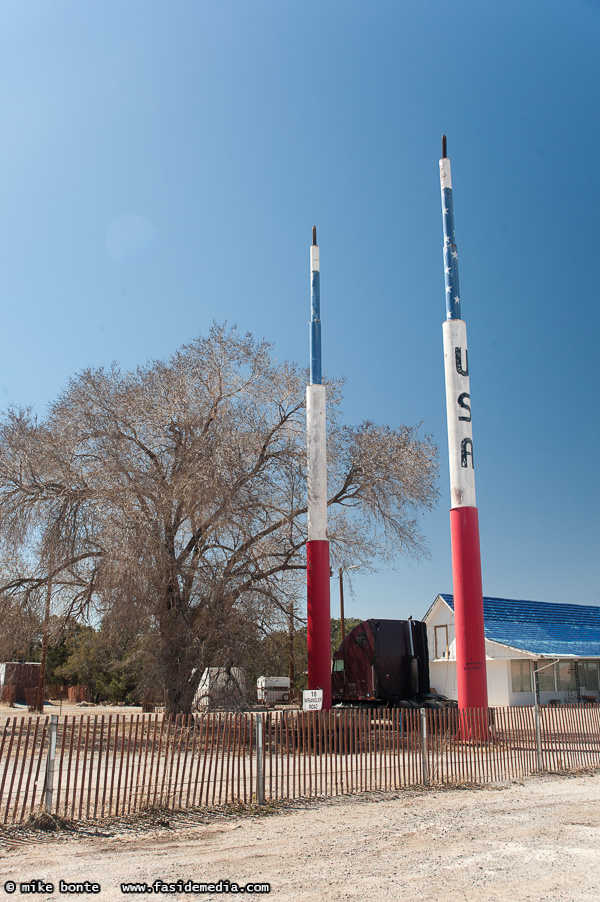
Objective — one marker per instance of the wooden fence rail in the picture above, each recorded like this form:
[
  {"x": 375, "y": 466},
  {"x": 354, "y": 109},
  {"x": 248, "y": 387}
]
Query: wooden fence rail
[{"x": 90, "y": 766}]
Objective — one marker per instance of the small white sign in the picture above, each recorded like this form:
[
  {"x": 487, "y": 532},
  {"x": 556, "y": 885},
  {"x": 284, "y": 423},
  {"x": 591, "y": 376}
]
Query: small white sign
[{"x": 312, "y": 700}]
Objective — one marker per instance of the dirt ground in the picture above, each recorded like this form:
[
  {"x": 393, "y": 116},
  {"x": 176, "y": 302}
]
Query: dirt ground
[
  {"x": 537, "y": 840},
  {"x": 62, "y": 708}
]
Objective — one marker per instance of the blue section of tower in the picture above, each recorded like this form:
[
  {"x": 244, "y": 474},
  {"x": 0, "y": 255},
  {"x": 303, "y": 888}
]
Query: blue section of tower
[
  {"x": 315, "y": 328},
  {"x": 450, "y": 257}
]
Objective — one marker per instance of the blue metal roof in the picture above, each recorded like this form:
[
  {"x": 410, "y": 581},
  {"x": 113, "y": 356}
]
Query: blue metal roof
[{"x": 541, "y": 627}]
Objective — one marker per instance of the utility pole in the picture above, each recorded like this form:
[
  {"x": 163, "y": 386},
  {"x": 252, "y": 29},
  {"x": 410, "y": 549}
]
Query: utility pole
[
  {"x": 291, "y": 646},
  {"x": 341, "y": 577},
  {"x": 342, "y": 603},
  {"x": 45, "y": 628}
]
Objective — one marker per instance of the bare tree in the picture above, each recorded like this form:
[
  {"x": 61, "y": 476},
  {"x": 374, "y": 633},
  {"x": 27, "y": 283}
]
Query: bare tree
[{"x": 176, "y": 494}]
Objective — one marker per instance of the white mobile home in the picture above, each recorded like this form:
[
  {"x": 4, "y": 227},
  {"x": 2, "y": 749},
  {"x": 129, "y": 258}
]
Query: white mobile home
[
  {"x": 273, "y": 690},
  {"x": 221, "y": 687}
]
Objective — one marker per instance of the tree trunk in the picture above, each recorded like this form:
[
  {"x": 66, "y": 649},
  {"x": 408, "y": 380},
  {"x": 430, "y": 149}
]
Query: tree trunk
[{"x": 178, "y": 670}]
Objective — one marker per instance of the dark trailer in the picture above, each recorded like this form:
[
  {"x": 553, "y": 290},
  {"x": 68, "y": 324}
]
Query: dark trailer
[{"x": 383, "y": 662}]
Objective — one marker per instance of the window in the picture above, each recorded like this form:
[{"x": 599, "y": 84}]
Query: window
[
  {"x": 566, "y": 676},
  {"x": 521, "y": 676},
  {"x": 588, "y": 675},
  {"x": 361, "y": 640},
  {"x": 338, "y": 665},
  {"x": 546, "y": 677},
  {"x": 441, "y": 641}
]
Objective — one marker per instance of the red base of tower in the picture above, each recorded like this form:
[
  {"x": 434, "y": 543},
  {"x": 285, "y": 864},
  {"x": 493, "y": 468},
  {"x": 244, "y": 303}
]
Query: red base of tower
[
  {"x": 471, "y": 676},
  {"x": 319, "y": 618}
]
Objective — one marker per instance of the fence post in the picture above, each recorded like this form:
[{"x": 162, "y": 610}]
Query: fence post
[
  {"x": 424, "y": 760},
  {"x": 52, "y": 730},
  {"x": 260, "y": 775},
  {"x": 538, "y": 738}
]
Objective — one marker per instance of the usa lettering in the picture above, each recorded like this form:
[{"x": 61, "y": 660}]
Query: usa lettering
[{"x": 463, "y": 403}]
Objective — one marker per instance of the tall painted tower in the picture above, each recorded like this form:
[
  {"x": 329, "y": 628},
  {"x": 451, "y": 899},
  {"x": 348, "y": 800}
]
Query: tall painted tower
[
  {"x": 464, "y": 518},
  {"x": 317, "y": 547}
]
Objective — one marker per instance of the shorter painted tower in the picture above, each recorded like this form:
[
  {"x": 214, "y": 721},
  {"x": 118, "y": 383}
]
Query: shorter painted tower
[
  {"x": 464, "y": 517},
  {"x": 317, "y": 546}
]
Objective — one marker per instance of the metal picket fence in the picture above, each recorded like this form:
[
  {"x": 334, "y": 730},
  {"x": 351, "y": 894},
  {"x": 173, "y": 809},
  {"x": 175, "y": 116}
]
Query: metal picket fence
[{"x": 91, "y": 766}]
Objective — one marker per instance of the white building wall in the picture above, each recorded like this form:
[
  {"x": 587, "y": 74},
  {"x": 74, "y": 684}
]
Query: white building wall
[
  {"x": 527, "y": 698},
  {"x": 442, "y": 678},
  {"x": 498, "y": 682},
  {"x": 439, "y": 616},
  {"x": 504, "y": 652}
]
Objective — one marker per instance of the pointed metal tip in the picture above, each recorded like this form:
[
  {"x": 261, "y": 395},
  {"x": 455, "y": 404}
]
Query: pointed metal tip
[
  {"x": 314, "y": 234},
  {"x": 444, "y": 147}
]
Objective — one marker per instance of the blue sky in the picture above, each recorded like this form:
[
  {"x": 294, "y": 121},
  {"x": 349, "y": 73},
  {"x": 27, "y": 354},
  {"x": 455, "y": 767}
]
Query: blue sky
[{"x": 163, "y": 164}]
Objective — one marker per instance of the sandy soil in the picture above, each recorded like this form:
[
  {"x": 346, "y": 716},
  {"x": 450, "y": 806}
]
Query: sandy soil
[
  {"x": 537, "y": 840},
  {"x": 56, "y": 707}
]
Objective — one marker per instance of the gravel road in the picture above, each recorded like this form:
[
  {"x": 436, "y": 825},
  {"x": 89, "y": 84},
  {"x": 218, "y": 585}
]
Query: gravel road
[{"x": 538, "y": 840}]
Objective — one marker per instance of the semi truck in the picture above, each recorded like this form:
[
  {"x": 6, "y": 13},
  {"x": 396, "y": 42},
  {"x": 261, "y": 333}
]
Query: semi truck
[{"x": 384, "y": 663}]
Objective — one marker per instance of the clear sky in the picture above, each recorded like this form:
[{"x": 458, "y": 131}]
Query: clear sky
[{"x": 163, "y": 164}]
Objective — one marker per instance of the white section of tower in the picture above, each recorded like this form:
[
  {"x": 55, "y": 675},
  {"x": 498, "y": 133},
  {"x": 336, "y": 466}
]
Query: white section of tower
[
  {"x": 314, "y": 258},
  {"x": 445, "y": 173},
  {"x": 317, "y": 462},
  {"x": 458, "y": 405}
]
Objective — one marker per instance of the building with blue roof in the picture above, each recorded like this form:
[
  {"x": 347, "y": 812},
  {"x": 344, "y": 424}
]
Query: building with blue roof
[{"x": 556, "y": 644}]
